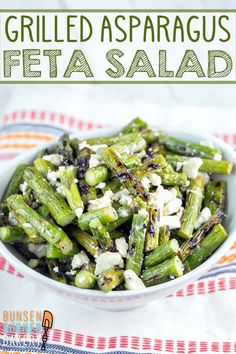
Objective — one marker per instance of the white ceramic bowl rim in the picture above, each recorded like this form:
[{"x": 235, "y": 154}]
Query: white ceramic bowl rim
[{"x": 97, "y": 293}]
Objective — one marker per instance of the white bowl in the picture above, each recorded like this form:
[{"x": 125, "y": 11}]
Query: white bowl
[{"x": 125, "y": 300}]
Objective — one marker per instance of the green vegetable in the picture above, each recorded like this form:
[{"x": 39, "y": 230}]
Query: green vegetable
[
  {"x": 55, "y": 203},
  {"x": 161, "y": 253},
  {"x": 85, "y": 279},
  {"x": 13, "y": 186},
  {"x": 215, "y": 195},
  {"x": 207, "y": 246}
]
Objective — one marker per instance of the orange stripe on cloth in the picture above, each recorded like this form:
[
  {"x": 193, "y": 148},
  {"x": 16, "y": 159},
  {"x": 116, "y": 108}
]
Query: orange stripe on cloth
[
  {"x": 17, "y": 146},
  {"x": 27, "y": 136},
  {"x": 227, "y": 259}
]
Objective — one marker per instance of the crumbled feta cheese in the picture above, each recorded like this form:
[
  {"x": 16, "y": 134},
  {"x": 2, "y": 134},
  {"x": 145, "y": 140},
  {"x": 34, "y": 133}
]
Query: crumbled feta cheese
[
  {"x": 95, "y": 148},
  {"x": 52, "y": 177},
  {"x": 218, "y": 157},
  {"x": 94, "y": 161},
  {"x": 172, "y": 221},
  {"x": 101, "y": 185},
  {"x": 27, "y": 225},
  {"x": 102, "y": 202},
  {"x": 143, "y": 212},
  {"x": 161, "y": 197},
  {"x": 122, "y": 246},
  {"x": 207, "y": 143},
  {"x": 107, "y": 260},
  {"x": 155, "y": 179},
  {"x": 179, "y": 166},
  {"x": 121, "y": 193},
  {"x": 203, "y": 217},
  {"x": 38, "y": 250},
  {"x": 205, "y": 177},
  {"x": 123, "y": 212},
  {"x": 56, "y": 269},
  {"x": 172, "y": 207},
  {"x": 55, "y": 159},
  {"x": 146, "y": 182},
  {"x": 78, "y": 212},
  {"x": 132, "y": 281},
  {"x": 191, "y": 167},
  {"x": 71, "y": 272},
  {"x": 79, "y": 260},
  {"x": 12, "y": 220},
  {"x": 126, "y": 200},
  {"x": 60, "y": 189},
  {"x": 23, "y": 187}
]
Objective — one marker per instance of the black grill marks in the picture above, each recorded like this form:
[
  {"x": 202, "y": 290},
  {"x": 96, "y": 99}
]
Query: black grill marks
[{"x": 82, "y": 166}]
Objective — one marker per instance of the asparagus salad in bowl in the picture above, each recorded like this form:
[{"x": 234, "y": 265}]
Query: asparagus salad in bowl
[{"x": 121, "y": 212}]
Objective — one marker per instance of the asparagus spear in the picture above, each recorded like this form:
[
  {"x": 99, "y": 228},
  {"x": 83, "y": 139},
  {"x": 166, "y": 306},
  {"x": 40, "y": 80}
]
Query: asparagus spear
[
  {"x": 162, "y": 253},
  {"x": 215, "y": 195},
  {"x": 95, "y": 175},
  {"x": 124, "y": 175},
  {"x": 13, "y": 186},
  {"x": 155, "y": 164},
  {"x": 30, "y": 231},
  {"x": 86, "y": 240},
  {"x": 207, "y": 246},
  {"x": 87, "y": 192},
  {"x": 136, "y": 242},
  {"x": 68, "y": 182},
  {"x": 192, "y": 207},
  {"x": 187, "y": 148},
  {"x": 85, "y": 279},
  {"x": 172, "y": 267},
  {"x": 130, "y": 146},
  {"x": 152, "y": 235},
  {"x": 43, "y": 166},
  {"x": 56, "y": 271},
  {"x": 188, "y": 246},
  {"x": 208, "y": 166},
  {"x": 105, "y": 215},
  {"x": 101, "y": 234},
  {"x": 111, "y": 226},
  {"x": 12, "y": 234},
  {"x": 110, "y": 279},
  {"x": 134, "y": 126},
  {"x": 51, "y": 233},
  {"x": 64, "y": 149},
  {"x": 173, "y": 179},
  {"x": 164, "y": 235},
  {"x": 57, "y": 206}
]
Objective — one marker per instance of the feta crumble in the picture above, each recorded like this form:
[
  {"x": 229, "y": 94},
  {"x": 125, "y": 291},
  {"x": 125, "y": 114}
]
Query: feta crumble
[
  {"x": 203, "y": 217},
  {"x": 102, "y": 202},
  {"x": 146, "y": 182},
  {"x": 79, "y": 260},
  {"x": 132, "y": 281},
  {"x": 78, "y": 212},
  {"x": 94, "y": 161},
  {"x": 172, "y": 207},
  {"x": 126, "y": 200},
  {"x": 23, "y": 187},
  {"x": 93, "y": 148},
  {"x": 38, "y": 250},
  {"x": 101, "y": 185},
  {"x": 107, "y": 260},
  {"x": 12, "y": 220},
  {"x": 155, "y": 179},
  {"x": 218, "y": 157},
  {"x": 52, "y": 177},
  {"x": 55, "y": 159},
  {"x": 191, "y": 167},
  {"x": 172, "y": 221},
  {"x": 56, "y": 269},
  {"x": 122, "y": 246}
]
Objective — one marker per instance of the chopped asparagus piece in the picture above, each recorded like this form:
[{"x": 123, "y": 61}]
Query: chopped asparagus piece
[
  {"x": 55, "y": 203},
  {"x": 161, "y": 253},
  {"x": 13, "y": 186},
  {"x": 192, "y": 207},
  {"x": 101, "y": 234},
  {"x": 215, "y": 195},
  {"x": 207, "y": 246},
  {"x": 85, "y": 279},
  {"x": 110, "y": 279}
]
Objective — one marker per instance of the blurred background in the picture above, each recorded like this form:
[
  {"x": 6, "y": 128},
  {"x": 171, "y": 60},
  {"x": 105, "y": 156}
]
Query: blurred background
[{"x": 114, "y": 104}]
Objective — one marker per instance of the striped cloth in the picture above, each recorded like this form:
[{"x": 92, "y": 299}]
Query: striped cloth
[{"x": 201, "y": 318}]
